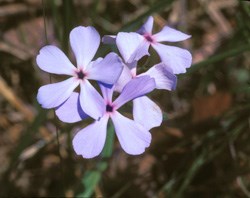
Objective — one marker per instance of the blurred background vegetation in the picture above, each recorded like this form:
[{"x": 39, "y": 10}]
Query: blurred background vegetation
[{"x": 202, "y": 148}]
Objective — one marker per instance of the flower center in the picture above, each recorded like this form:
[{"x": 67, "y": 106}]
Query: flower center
[
  {"x": 149, "y": 38},
  {"x": 109, "y": 108},
  {"x": 80, "y": 75}
]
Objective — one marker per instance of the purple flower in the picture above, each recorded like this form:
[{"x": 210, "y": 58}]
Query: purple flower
[
  {"x": 133, "y": 137},
  {"x": 135, "y": 45},
  {"x": 164, "y": 79},
  {"x": 84, "y": 42}
]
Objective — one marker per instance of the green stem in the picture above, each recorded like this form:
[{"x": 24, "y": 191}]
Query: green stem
[{"x": 92, "y": 177}]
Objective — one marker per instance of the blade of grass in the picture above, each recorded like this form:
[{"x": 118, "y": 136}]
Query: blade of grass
[
  {"x": 191, "y": 173},
  {"x": 205, "y": 156},
  {"x": 57, "y": 21},
  {"x": 168, "y": 186},
  {"x": 122, "y": 190},
  {"x": 217, "y": 58},
  {"x": 68, "y": 10},
  {"x": 57, "y": 130}
]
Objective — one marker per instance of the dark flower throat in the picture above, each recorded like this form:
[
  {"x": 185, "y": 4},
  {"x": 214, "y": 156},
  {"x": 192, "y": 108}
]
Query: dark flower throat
[
  {"x": 80, "y": 75},
  {"x": 149, "y": 38},
  {"x": 109, "y": 108}
]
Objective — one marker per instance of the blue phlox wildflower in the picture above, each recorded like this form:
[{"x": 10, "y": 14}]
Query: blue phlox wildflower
[
  {"x": 164, "y": 79},
  {"x": 133, "y": 137},
  {"x": 84, "y": 43},
  {"x": 135, "y": 45},
  {"x": 113, "y": 74}
]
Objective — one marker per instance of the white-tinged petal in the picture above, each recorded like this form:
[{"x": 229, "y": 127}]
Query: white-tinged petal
[
  {"x": 147, "y": 26},
  {"x": 132, "y": 46},
  {"x": 164, "y": 77},
  {"x": 51, "y": 59},
  {"x": 53, "y": 95},
  {"x": 124, "y": 78},
  {"x": 91, "y": 101},
  {"x": 133, "y": 137},
  {"x": 176, "y": 58},
  {"x": 109, "y": 39},
  {"x": 134, "y": 71},
  {"x": 146, "y": 112},
  {"x": 90, "y": 141},
  {"x": 70, "y": 111},
  {"x": 136, "y": 87},
  {"x": 108, "y": 70},
  {"x": 84, "y": 42},
  {"x": 170, "y": 35}
]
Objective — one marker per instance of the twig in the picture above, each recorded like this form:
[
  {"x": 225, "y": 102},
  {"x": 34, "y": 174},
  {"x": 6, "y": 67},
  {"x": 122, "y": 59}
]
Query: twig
[{"x": 13, "y": 99}]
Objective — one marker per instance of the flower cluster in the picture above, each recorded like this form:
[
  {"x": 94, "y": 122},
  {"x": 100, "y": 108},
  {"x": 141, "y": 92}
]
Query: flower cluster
[{"x": 113, "y": 74}]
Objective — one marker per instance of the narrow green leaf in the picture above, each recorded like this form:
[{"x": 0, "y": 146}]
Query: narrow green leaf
[{"x": 90, "y": 180}]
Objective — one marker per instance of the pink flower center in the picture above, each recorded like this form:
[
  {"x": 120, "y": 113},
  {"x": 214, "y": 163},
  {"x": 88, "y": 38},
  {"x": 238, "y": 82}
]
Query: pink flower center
[{"x": 149, "y": 38}]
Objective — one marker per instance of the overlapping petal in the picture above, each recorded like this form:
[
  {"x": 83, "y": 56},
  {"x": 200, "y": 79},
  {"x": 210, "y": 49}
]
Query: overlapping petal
[
  {"x": 132, "y": 64},
  {"x": 135, "y": 88},
  {"x": 53, "y": 95},
  {"x": 84, "y": 42},
  {"x": 174, "y": 57},
  {"x": 91, "y": 101},
  {"x": 132, "y": 46},
  {"x": 142, "y": 50},
  {"x": 70, "y": 111},
  {"x": 51, "y": 59},
  {"x": 124, "y": 78},
  {"x": 90, "y": 141},
  {"x": 164, "y": 77},
  {"x": 171, "y": 35},
  {"x": 147, "y": 26},
  {"x": 133, "y": 137},
  {"x": 108, "y": 70},
  {"x": 146, "y": 112}
]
